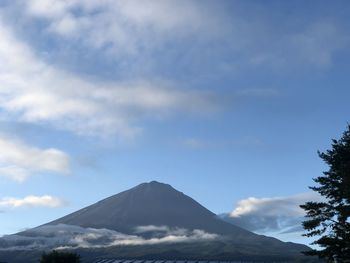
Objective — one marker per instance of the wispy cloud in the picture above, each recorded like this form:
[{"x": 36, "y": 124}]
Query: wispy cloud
[
  {"x": 18, "y": 160},
  {"x": 135, "y": 27},
  {"x": 316, "y": 42},
  {"x": 67, "y": 236},
  {"x": 33, "y": 91},
  {"x": 31, "y": 201},
  {"x": 312, "y": 44},
  {"x": 122, "y": 26}
]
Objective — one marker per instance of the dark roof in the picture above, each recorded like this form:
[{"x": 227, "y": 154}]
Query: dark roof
[{"x": 158, "y": 261}]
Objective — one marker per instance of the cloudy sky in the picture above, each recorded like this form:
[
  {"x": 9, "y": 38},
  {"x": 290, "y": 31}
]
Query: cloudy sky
[{"x": 227, "y": 101}]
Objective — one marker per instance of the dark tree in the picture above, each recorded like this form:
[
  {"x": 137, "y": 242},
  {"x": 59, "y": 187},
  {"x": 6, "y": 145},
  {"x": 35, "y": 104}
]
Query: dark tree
[
  {"x": 60, "y": 257},
  {"x": 329, "y": 220}
]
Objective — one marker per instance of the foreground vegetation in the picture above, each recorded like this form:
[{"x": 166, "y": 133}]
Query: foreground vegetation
[
  {"x": 329, "y": 220},
  {"x": 60, "y": 257}
]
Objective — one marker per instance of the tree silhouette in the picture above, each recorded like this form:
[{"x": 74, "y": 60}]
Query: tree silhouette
[
  {"x": 60, "y": 257},
  {"x": 330, "y": 219}
]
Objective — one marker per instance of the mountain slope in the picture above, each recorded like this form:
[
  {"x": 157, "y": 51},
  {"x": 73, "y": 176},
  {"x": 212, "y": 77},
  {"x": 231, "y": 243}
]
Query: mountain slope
[
  {"x": 151, "y": 203},
  {"x": 171, "y": 222},
  {"x": 159, "y": 204}
]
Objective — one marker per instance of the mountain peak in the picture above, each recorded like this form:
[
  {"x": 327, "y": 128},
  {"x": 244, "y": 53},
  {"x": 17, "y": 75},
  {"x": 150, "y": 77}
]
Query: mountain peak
[
  {"x": 151, "y": 203},
  {"x": 155, "y": 184}
]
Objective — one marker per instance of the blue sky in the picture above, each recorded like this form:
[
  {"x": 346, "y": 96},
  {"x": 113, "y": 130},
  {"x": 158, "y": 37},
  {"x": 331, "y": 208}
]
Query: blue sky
[{"x": 224, "y": 100}]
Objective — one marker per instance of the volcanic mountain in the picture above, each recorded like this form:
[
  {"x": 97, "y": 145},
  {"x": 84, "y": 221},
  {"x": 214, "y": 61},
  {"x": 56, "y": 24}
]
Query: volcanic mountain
[
  {"x": 153, "y": 203},
  {"x": 152, "y": 220}
]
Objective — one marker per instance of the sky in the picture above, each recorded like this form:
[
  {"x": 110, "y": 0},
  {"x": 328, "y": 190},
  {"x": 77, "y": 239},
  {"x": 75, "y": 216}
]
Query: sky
[{"x": 227, "y": 101}]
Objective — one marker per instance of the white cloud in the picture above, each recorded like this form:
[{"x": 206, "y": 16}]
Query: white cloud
[
  {"x": 18, "y": 160},
  {"x": 68, "y": 236},
  {"x": 272, "y": 214},
  {"x": 31, "y": 201},
  {"x": 164, "y": 234},
  {"x": 272, "y": 206},
  {"x": 33, "y": 91},
  {"x": 279, "y": 217}
]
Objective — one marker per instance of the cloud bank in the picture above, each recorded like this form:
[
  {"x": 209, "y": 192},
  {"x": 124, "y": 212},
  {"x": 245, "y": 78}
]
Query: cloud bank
[
  {"x": 67, "y": 236},
  {"x": 31, "y": 201},
  {"x": 271, "y": 215},
  {"x": 18, "y": 161}
]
